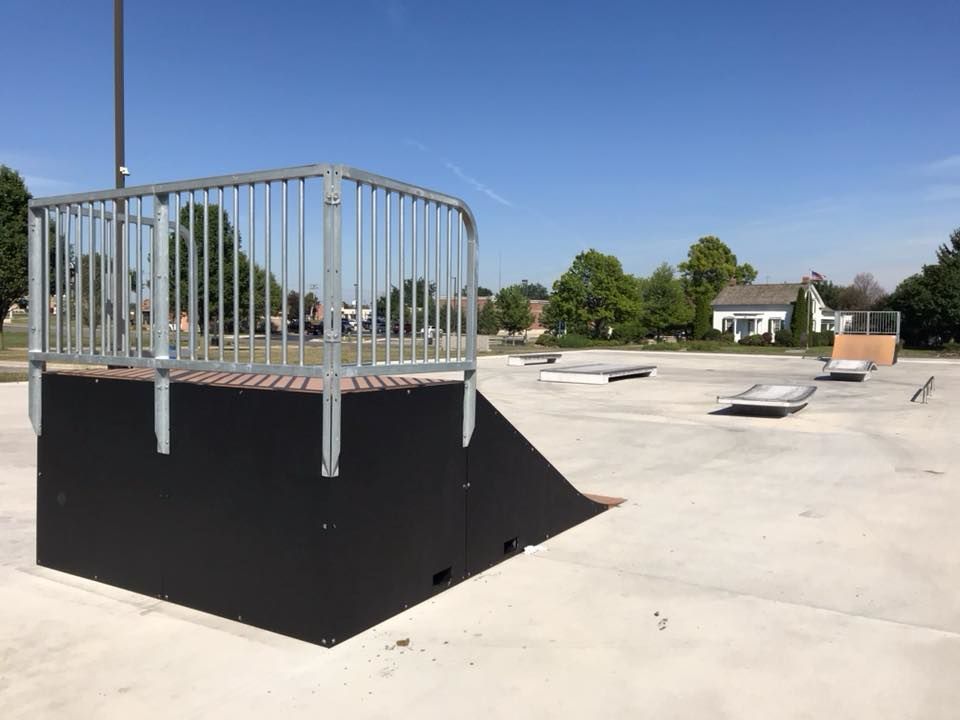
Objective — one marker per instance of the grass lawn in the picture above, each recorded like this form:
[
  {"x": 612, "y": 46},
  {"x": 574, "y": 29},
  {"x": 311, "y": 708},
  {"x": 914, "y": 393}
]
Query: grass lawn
[
  {"x": 12, "y": 376},
  {"x": 15, "y": 348}
]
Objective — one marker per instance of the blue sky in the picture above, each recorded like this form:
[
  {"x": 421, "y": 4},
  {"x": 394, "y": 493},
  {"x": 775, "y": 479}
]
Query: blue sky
[{"x": 815, "y": 135}]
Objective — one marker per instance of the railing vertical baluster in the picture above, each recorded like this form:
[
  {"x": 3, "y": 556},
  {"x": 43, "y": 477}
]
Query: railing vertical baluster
[
  {"x": 178, "y": 310},
  {"x": 58, "y": 305},
  {"x": 373, "y": 275},
  {"x": 267, "y": 323},
  {"x": 283, "y": 270},
  {"x": 192, "y": 280},
  {"x": 236, "y": 273},
  {"x": 206, "y": 273},
  {"x": 459, "y": 286},
  {"x": 66, "y": 278},
  {"x": 220, "y": 317},
  {"x": 401, "y": 278},
  {"x": 446, "y": 336},
  {"x": 426, "y": 280},
  {"x": 251, "y": 261},
  {"x": 358, "y": 278},
  {"x": 436, "y": 278},
  {"x": 302, "y": 271},
  {"x": 387, "y": 272}
]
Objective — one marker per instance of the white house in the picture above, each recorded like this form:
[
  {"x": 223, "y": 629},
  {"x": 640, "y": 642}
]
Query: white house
[{"x": 757, "y": 309}]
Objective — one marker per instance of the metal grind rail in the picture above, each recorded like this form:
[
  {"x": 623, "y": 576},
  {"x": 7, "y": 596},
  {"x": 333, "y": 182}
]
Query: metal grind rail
[
  {"x": 925, "y": 391},
  {"x": 224, "y": 285}
]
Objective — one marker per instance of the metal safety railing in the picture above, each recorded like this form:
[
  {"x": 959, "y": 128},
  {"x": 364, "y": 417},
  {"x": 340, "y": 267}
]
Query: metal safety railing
[
  {"x": 867, "y": 322},
  {"x": 237, "y": 273}
]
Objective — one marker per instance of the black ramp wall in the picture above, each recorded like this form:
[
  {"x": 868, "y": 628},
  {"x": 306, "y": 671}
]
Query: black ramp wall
[{"x": 237, "y": 520}]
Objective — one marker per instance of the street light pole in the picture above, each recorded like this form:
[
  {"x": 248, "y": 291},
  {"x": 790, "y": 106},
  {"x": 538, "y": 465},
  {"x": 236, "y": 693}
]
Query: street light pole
[{"x": 121, "y": 303}]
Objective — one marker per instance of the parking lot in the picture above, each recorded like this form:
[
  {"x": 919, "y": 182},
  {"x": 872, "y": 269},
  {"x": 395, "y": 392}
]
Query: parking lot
[{"x": 797, "y": 567}]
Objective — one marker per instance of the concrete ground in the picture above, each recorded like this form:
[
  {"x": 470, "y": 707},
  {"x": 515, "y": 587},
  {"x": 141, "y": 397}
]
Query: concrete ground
[{"x": 803, "y": 567}]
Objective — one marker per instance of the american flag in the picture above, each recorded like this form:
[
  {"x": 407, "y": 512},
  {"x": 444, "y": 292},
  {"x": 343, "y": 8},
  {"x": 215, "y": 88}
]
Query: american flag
[{"x": 817, "y": 276}]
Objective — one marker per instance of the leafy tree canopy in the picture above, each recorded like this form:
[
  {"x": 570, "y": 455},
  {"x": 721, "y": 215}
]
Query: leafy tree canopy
[
  {"x": 593, "y": 295},
  {"x": 513, "y": 309},
  {"x": 14, "y": 199},
  {"x": 664, "y": 304},
  {"x": 710, "y": 265}
]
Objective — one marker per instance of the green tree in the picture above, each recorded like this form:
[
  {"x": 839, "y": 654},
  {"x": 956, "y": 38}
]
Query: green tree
[
  {"x": 481, "y": 291},
  {"x": 487, "y": 321},
  {"x": 663, "y": 301},
  {"x": 513, "y": 309},
  {"x": 408, "y": 301},
  {"x": 593, "y": 295},
  {"x": 14, "y": 203},
  {"x": 930, "y": 300},
  {"x": 829, "y": 292},
  {"x": 534, "y": 291},
  {"x": 230, "y": 239},
  {"x": 949, "y": 252},
  {"x": 800, "y": 317},
  {"x": 702, "y": 315},
  {"x": 710, "y": 265}
]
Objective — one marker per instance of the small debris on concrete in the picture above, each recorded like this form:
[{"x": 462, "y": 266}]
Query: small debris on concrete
[
  {"x": 662, "y": 625},
  {"x": 403, "y": 643}
]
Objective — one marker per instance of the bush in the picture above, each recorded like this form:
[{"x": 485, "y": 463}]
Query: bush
[
  {"x": 631, "y": 331},
  {"x": 827, "y": 337},
  {"x": 951, "y": 349},
  {"x": 547, "y": 339},
  {"x": 784, "y": 337},
  {"x": 713, "y": 334},
  {"x": 572, "y": 340},
  {"x": 755, "y": 340}
]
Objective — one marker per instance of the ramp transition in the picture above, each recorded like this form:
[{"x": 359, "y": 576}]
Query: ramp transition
[{"x": 237, "y": 520}]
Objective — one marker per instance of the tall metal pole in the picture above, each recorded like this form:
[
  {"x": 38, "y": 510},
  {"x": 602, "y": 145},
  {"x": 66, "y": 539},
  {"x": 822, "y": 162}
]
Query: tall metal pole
[{"x": 121, "y": 303}]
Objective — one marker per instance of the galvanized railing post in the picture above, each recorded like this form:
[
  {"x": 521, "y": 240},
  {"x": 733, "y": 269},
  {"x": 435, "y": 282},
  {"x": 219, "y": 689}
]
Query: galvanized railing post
[
  {"x": 470, "y": 376},
  {"x": 332, "y": 302},
  {"x": 38, "y": 313},
  {"x": 159, "y": 317}
]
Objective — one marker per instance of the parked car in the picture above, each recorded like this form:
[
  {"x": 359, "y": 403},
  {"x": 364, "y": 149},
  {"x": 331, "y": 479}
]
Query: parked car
[{"x": 395, "y": 328}]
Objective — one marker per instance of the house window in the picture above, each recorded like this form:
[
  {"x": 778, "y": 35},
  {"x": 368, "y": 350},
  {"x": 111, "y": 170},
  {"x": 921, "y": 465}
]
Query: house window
[
  {"x": 774, "y": 325},
  {"x": 728, "y": 324}
]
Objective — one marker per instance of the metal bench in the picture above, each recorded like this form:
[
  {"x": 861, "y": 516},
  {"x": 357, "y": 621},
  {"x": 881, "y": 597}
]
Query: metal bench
[{"x": 533, "y": 359}]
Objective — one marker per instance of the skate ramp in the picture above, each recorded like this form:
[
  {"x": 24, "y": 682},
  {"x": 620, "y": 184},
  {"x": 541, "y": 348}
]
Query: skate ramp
[{"x": 880, "y": 349}]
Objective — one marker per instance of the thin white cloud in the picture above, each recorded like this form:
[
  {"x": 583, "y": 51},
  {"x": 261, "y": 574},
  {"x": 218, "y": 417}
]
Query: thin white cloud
[
  {"x": 416, "y": 144},
  {"x": 477, "y": 185},
  {"x": 946, "y": 165}
]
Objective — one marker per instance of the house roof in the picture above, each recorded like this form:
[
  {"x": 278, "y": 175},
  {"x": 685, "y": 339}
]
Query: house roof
[{"x": 771, "y": 294}]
